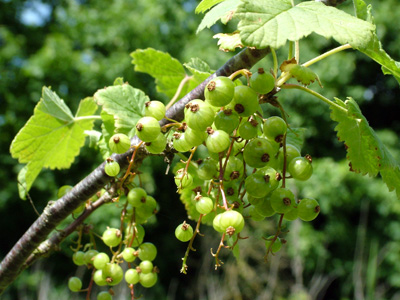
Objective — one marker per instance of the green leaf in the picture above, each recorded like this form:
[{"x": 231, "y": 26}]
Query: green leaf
[
  {"x": 200, "y": 71},
  {"x": 266, "y": 23},
  {"x": 229, "y": 41},
  {"x": 125, "y": 103},
  {"x": 206, "y": 5},
  {"x": 224, "y": 11},
  {"x": 118, "y": 81},
  {"x": 50, "y": 138},
  {"x": 365, "y": 151},
  {"x": 107, "y": 129},
  {"x": 302, "y": 74},
  {"x": 167, "y": 71},
  {"x": 374, "y": 48}
]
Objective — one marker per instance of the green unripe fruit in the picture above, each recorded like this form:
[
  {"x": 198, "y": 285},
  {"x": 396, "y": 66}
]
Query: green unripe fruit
[
  {"x": 245, "y": 101},
  {"x": 262, "y": 82},
  {"x": 216, "y": 223},
  {"x": 207, "y": 169},
  {"x": 158, "y": 145},
  {"x": 101, "y": 260},
  {"x": 79, "y": 258},
  {"x": 132, "y": 276},
  {"x": 137, "y": 196},
  {"x": 113, "y": 273},
  {"x": 74, "y": 284},
  {"x": 119, "y": 143},
  {"x": 112, "y": 168},
  {"x": 199, "y": 115},
  {"x": 248, "y": 129},
  {"x": 104, "y": 296},
  {"x": 155, "y": 109},
  {"x": 234, "y": 168},
  {"x": 300, "y": 168},
  {"x": 204, "y": 205},
  {"x": 217, "y": 140},
  {"x": 194, "y": 137},
  {"x": 232, "y": 222},
  {"x": 180, "y": 143},
  {"x": 148, "y": 280},
  {"x": 99, "y": 279},
  {"x": 129, "y": 254},
  {"x": 146, "y": 266},
  {"x": 89, "y": 256},
  {"x": 219, "y": 91},
  {"x": 282, "y": 200},
  {"x": 147, "y": 129},
  {"x": 182, "y": 179},
  {"x": 226, "y": 120},
  {"x": 184, "y": 232},
  {"x": 258, "y": 152},
  {"x": 112, "y": 237},
  {"x": 308, "y": 209},
  {"x": 264, "y": 208},
  {"x": 147, "y": 251},
  {"x": 275, "y": 128}
]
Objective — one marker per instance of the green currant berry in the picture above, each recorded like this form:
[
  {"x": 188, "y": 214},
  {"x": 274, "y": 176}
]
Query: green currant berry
[
  {"x": 79, "y": 258},
  {"x": 182, "y": 179},
  {"x": 184, "y": 232},
  {"x": 199, "y": 115},
  {"x": 300, "y": 168},
  {"x": 207, "y": 169},
  {"x": 158, "y": 145},
  {"x": 180, "y": 143},
  {"x": 74, "y": 284},
  {"x": 217, "y": 140},
  {"x": 148, "y": 280},
  {"x": 132, "y": 276},
  {"x": 112, "y": 237},
  {"x": 258, "y": 185},
  {"x": 232, "y": 221},
  {"x": 194, "y": 137},
  {"x": 262, "y": 82},
  {"x": 258, "y": 152},
  {"x": 136, "y": 233},
  {"x": 112, "y": 168},
  {"x": 216, "y": 224},
  {"x": 89, "y": 255},
  {"x": 101, "y": 260},
  {"x": 234, "y": 168},
  {"x": 276, "y": 246},
  {"x": 292, "y": 214},
  {"x": 155, "y": 109},
  {"x": 226, "y": 120},
  {"x": 248, "y": 129},
  {"x": 129, "y": 254},
  {"x": 137, "y": 196},
  {"x": 308, "y": 209},
  {"x": 104, "y": 296},
  {"x": 63, "y": 190},
  {"x": 148, "y": 208},
  {"x": 291, "y": 153},
  {"x": 255, "y": 214},
  {"x": 147, "y": 129},
  {"x": 99, "y": 279},
  {"x": 113, "y": 273},
  {"x": 275, "y": 128},
  {"x": 147, "y": 251},
  {"x": 204, "y": 205},
  {"x": 219, "y": 91},
  {"x": 282, "y": 200},
  {"x": 245, "y": 101},
  {"x": 119, "y": 143},
  {"x": 146, "y": 266},
  {"x": 264, "y": 208}
]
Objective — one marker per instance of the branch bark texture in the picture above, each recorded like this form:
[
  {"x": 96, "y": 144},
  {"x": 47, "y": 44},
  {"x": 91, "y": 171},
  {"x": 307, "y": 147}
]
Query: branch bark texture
[{"x": 27, "y": 249}]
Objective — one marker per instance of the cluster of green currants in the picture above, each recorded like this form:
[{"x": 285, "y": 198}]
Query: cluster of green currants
[
  {"x": 248, "y": 158},
  {"x": 109, "y": 271}
]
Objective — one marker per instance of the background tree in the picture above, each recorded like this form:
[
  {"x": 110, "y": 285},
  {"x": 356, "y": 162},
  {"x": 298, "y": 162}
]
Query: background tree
[{"x": 78, "y": 47}]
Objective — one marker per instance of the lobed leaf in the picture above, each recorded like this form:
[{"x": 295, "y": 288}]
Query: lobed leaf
[
  {"x": 365, "y": 151},
  {"x": 51, "y": 138},
  {"x": 125, "y": 103},
  {"x": 167, "y": 71},
  {"x": 266, "y": 23},
  {"x": 224, "y": 11},
  {"x": 302, "y": 74}
]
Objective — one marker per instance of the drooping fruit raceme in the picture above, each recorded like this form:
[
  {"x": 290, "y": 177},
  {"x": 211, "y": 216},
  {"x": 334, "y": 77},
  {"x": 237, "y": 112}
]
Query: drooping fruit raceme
[
  {"x": 219, "y": 91},
  {"x": 262, "y": 82},
  {"x": 119, "y": 143},
  {"x": 148, "y": 129}
]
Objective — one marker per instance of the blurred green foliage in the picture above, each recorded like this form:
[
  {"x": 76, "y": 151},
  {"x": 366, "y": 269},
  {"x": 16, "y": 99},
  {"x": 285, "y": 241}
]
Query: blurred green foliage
[{"x": 351, "y": 251}]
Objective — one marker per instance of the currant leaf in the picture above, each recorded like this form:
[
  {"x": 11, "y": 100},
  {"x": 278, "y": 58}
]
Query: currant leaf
[
  {"x": 51, "y": 138},
  {"x": 302, "y": 74},
  {"x": 228, "y": 41},
  {"x": 365, "y": 151},
  {"x": 205, "y": 5},
  {"x": 125, "y": 103},
  {"x": 266, "y": 23}
]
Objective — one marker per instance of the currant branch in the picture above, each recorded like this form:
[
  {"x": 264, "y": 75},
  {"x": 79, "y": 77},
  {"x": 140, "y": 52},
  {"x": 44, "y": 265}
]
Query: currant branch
[{"x": 20, "y": 256}]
